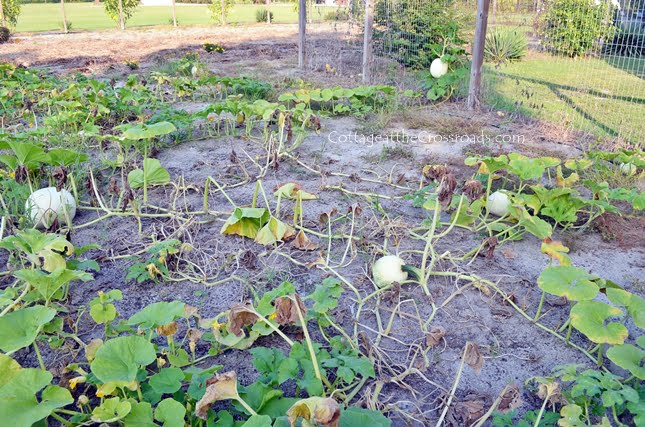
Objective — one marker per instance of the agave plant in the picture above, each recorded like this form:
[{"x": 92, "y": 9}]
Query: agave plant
[{"x": 504, "y": 46}]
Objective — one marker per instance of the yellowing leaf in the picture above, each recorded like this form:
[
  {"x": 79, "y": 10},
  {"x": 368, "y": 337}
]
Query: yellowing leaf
[
  {"x": 556, "y": 250},
  {"x": 321, "y": 411},
  {"x": 246, "y": 222},
  {"x": 274, "y": 231},
  {"x": 221, "y": 387}
]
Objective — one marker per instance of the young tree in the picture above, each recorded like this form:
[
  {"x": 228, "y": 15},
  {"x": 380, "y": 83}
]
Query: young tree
[
  {"x": 174, "y": 14},
  {"x": 120, "y": 10},
  {"x": 62, "y": 6},
  {"x": 9, "y": 11},
  {"x": 220, "y": 9}
]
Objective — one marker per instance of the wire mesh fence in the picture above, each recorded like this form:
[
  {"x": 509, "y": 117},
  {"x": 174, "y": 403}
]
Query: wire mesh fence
[{"x": 581, "y": 63}]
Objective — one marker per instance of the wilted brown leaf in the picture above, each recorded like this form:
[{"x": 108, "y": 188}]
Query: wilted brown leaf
[
  {"x": 473, "y": 189},
  {"x": 435, "y": 172},
  {"x": 326, "y": 216},
  {"x": 474, "y": 357},
  {"x": 435, "y": 336},
  {"x": 511, "y": 399},
  {"x": 167, "y": 330},
  {"x": 552, "y": 392},
  {"x": 489, "y": 246},
  {"x": 465, "y": 413},
  {"x": 287, "y": 310},
  {"x": 447, "y": 187},
  {"x": 221, "y": 387},
  {"x": 303, "y": 243},
  {"x": 240, "y": 316},
  {"x": 321, "y": 411}
]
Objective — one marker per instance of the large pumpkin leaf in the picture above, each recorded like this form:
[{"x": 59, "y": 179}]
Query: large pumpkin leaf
[
  {"x": 527, "y": 168},
  {"x": 120, "y": 358},
  {"x": 168, "y": 380},
  {"x": 634, "y": 304},
  {"x": 157, "y": 314},
  {"x": 359, "y": 417},
  {"x": 589, "y": 317},
  {"x": 20, "y": 328},
  {"x": 246, "y": 222},
  {"x": 171, "y": 413},
  {"x": 274, "y": 231},
  {"x": 155, "y": 174},
  {"x": 629, "y": 357},
  {"x": 46, "y": 250},
  {"x": 139, "y": 132},
  {"x": 111, "y": 410},
  {"x": 573, "y": 283},
  {"x": 140, "y": 415},
  {"x": 18, "y": 389},
  {"x": 48, "y": 284}
]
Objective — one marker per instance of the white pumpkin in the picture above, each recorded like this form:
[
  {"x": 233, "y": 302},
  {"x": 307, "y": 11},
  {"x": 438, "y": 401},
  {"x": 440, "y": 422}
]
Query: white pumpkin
[
  {"x": 438, "y": 68},
  {"x": 628, "y": 169},
  {"x": 498, "y": 204},
  {"x": 46, "y": 205},
  {"x": 387, "y": 270}
]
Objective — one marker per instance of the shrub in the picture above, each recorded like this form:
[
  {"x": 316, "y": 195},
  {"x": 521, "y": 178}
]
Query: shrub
[
  {"x": 11, "y": 10},
  {"x": 5, "y": 34},
  {"x": 112, "y": 9},
  {"x": 572, "y": 27},
  {"x": 505, "y": 46},
  {"x": 627, "y": 42},
  {"x": 418, "y": 31},
  {"x": 261, "y": 15},
  {"x": 215, "y": 8}
]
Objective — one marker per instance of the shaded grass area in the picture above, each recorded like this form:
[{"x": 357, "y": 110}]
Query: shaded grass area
[
  {"x": 603, "y": 97},
  {"x": 88, "y": 16}
]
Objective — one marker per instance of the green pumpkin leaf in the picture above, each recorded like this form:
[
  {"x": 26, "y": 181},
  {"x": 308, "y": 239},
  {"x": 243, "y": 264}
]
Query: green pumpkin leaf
[
  {"x": 168, "y": 380},
  {"x": 359, "y": 417},
  {"x": 246, "y": 222},
  {"x": 42, "y": 250},
  {"x": 258, "y": 421},
  {"x": 48, "y": 284},
  {"x": 19, "y": 328},
  {"x": 111, "y": 410},
  {"x": 573, "y": 283},
  {"x": 171, "y": 413},
  {"x": 155, "y": 174},
  {"x": 589, "y": 318},
  {"x": 628, "y": 357},
  {"x": 157, "y": 314},
  {"x": 65, "y": 157},
  {"x": 18, "y": 390},
  {"x": 571, "y": 416},
  {"x": 144, "y": 131},
  {"x": 326, "y": 295},
  {"x": 120, "y": 358},
  {"x": 634, "y": 304},
  {"x": 103, "y": 313},
  {"x": 140, "y": 415}
]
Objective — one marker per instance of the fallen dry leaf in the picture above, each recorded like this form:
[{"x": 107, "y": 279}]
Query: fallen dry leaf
[
  {"x": 511, "y": 399},
  {"x": 303, "y": 243},
  {"x": 474, "y": 357},
  {"x": 435, "y": 336}
]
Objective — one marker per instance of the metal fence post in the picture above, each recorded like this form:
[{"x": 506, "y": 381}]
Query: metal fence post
[
  {"x": 367, "y": 40},
  {"x": 474, "y": 92},
  {"x": 302, "y": 32}
]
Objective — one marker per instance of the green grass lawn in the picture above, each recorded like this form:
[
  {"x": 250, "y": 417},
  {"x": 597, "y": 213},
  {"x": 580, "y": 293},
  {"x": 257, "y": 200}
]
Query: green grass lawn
[
  {"x": 603, "y": 96},
  {"x": 88, "y": 16}
]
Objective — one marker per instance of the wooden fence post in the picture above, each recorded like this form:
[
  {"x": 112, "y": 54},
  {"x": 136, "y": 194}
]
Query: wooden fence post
[
  {"x": 367, "y": 40},
  {"x": 474, "y": 92},
  {"x": 302, "y": 32},
  {"x": 121, "y": 18}
]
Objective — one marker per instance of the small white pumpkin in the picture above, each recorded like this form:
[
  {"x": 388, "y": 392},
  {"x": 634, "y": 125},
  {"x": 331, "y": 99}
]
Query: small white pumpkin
[
  {"x": 387, "y": 270},
  {"x": 498, "y": 204},
  {"x": 438, "y": 68},
  {"x": 46, "y": 205},
  {"x": 628, "y": 169}
]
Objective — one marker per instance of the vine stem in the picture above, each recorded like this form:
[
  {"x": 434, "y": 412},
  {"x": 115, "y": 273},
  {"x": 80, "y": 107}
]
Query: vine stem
[
  {"x": 454, "y": 386},
  {"x": 541, "y": 413},
  {"x": 40, "y": 357},
  {"x": 310, "y": 346}
]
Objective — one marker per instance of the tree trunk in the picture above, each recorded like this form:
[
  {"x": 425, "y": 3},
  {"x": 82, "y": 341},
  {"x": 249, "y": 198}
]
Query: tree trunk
[
  {"x": 174, "y": 14},
  {"x": 223, "y": 6},
  {"x": 474, "y": 91},
  {"x": 121, "y": 18},
  {"x": 62, "y": 6},
  {"x": 367, "y": 40},
  {"x": 302, "y": 32}
]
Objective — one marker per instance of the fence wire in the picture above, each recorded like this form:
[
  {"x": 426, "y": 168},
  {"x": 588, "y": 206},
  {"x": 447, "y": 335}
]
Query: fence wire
[{"x": 583, "y": 69}]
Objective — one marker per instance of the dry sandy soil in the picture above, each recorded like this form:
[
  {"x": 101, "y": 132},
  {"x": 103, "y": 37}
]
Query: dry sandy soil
[{"x": 513, "y": 348}]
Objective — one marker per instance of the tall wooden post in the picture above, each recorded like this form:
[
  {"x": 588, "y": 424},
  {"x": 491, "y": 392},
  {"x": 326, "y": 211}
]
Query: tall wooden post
[
  {"x": 268, "y": 2},
  {"x": 4, "y": 20},
  {"x": 62, "y": 6},
  {"x": 174, "y": 14},
  {"x": 474, "y": 92},
  {"x": 367, "y": 40},
  {"x": 223, "y": 6},
  {"x": 121, "y": 18},
  {"x": 302, "y": 32}
]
